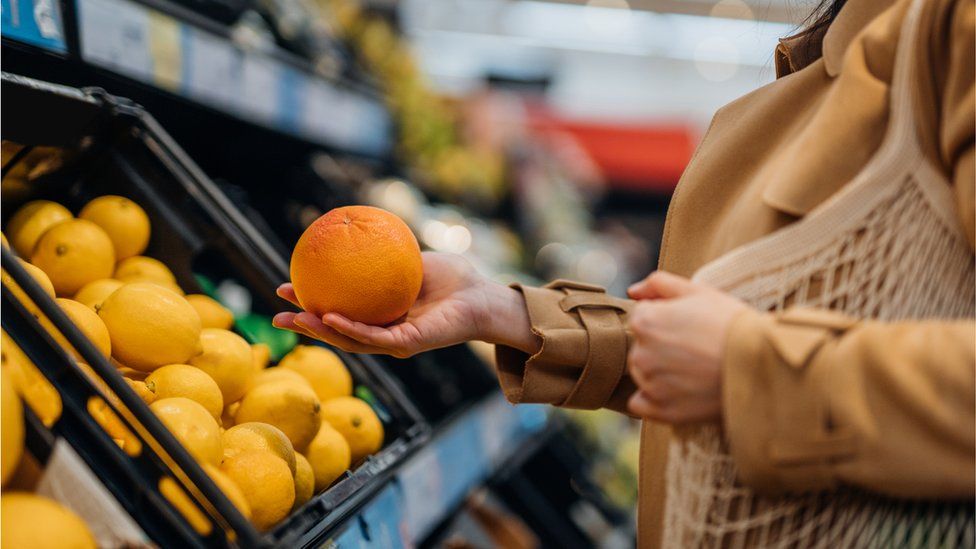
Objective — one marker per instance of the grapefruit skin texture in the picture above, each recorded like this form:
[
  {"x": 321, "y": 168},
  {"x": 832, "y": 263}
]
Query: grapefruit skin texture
[{"x": 358, "y": 261}]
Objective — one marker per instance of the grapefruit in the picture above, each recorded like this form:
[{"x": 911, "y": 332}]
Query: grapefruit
[{"x": 361, "y": 262}]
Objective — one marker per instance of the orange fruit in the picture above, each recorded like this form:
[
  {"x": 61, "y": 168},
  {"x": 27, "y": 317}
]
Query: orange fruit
[{"x": 358, "y": 261}]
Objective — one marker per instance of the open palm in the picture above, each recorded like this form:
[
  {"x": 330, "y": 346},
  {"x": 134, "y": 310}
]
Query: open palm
[{"x": 449, "y": 309}]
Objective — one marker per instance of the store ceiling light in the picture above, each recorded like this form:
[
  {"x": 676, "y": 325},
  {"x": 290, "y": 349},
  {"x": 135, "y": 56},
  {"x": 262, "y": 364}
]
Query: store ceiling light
[{"x": 599, "y": 28}]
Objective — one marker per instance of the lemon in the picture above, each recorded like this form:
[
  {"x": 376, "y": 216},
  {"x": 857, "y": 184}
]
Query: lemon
[
  {"x": 357, "y": 422},
  {"x": 230, "y": 489},
  {"x": 74, "y": 253},
  {"x": 29, "y": 382},
  {"x": 125, "y": 222},
  {"x": 192, "y": 425},
  {"x": 150, "y": 326},
  {"x": 3, "y": 240},
  {"x": 276, "y": 374},
  {"x": 168, "y": 284},
  {"x": 261, "y": 354},
  {"x": 304, "y": 481},
  {"x": 212, "y": 314},
  {"x": 182, "y": 380},
  {"x": 266, "y": 483},
  {"x": 227, "y": 418},
  {"x": 329, "y": 456},
  {"x": 322, "y": 368},
  {"x": 12, "y": 429},
  {"x": 38, "y": 275},
  {"x": 258, "y": 436},
  {"x": 142, "y": 390},
  {"x": 291, "y": 407},
  {"x": 143, "y": 268},
  {"x": 94, "y": 293},
  {"x": 85, "y": 320},
  {"x": 227, "y": 358},
  {"x": 35, "y": 522},
  {"x": 31, "y": 220}
]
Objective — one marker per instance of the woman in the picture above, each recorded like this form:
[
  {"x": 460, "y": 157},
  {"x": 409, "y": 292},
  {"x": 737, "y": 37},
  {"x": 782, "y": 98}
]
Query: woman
[{"x": 814, "y": 382}]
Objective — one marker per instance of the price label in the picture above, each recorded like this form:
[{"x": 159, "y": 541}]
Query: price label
[
  {"x": 214, "y": 72},
  {"x": 424, "y": 503},
  {"x": 260, "y": 81},
  {"x": 115, "y": 35}
]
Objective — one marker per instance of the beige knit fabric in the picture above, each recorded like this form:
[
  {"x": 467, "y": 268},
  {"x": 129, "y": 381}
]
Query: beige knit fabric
[{"x": 887, "y": 246}]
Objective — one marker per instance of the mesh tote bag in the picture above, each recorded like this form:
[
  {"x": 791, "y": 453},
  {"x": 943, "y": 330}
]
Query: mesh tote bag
[{"x": 888, "y": 246}]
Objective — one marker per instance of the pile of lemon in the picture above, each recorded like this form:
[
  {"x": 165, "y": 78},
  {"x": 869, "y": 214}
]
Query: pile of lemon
[{"x": 270, "y": 437}]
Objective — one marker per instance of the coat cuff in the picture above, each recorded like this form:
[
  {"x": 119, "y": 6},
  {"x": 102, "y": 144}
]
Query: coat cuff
[
  {"x": 776, "y": 407},
  {"x": 583, "y": 355}
]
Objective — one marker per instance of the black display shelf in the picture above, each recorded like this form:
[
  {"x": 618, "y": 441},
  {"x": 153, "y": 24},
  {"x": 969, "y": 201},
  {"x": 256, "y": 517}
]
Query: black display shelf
[{"x": 115, "y": 147}]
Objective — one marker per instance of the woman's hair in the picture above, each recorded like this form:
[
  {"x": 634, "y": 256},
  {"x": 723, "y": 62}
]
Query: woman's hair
[{"x": 822, "y": 16}]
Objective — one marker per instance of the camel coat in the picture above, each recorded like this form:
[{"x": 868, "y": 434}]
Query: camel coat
[{"x": 905, "y": 394}]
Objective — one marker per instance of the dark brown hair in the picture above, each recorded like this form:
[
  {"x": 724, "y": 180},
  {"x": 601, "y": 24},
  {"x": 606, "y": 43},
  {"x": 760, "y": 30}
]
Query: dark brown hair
[{"x": 822, "y": 16}]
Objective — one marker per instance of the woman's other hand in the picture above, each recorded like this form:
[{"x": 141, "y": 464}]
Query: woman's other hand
[
  {"x": 455, "y": 304},
  {"x": 679, "y": 329}
]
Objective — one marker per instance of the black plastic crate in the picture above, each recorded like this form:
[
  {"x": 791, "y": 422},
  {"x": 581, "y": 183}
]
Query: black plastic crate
[{"x": 117, "y": 148}]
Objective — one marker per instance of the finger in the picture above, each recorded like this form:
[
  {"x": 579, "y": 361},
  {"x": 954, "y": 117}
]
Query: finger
[
  {"x": 286, "y": 321},
  {"x": 662, "y": 285},
  {"x": 311, "y": 324},
  {"x": 641, "y": 405},
  {"x": 364, "y": 333},
  {"x": 287, "y": 292}
]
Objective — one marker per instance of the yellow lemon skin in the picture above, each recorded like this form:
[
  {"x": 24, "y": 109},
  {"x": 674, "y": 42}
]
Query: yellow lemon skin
[
  {"x": 38, "y": 275},
  {"x": 357, "y": 422},
  {"x": 74, "y": 253},
  {"x": 261, "y": 354},
  {"x": 322, "y": 368},
  {"x": 192, "y": 425},
  {"x": 183, "y": 380},
  {"x": 29, "y": 382},
  {"x": 86, "y": 320},
  {"x": 258, "y": 436},
  {"x": 230, "y": 489},
  {"x": 125, "y": 222},
  {"x": 275, "y": 374},
  {"x": 291, "y": 407},
  {"x": 329, "y": 456},
  {"x": 168, "y": 284},
  {"x": 11, "y": 426},
  {"x": 304, "y": 481},
  {"x": 35, "y": 522},
  {"x": 265, "y": 481},
  {"x": 143, "y": 268},
  {"x": 150, "y": 326},
  {"x": 31, "y": 221},
  {"x": 142, "y": 390},
  {"x": 95, "y": 292},
  {"x": 212, "y": 314},
  {"x": 226, "y": 357},
  {"x": 3, "y": 240}
]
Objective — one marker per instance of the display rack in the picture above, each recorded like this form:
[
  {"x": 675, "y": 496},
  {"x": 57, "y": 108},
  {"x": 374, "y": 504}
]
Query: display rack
[
  {"x": 432, "y": 484},
  {"x": 175, "y": 51},
  {"x": 118, "y": 149}
]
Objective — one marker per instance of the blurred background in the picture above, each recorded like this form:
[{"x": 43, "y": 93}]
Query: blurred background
[{"x": 540, "y": 139}]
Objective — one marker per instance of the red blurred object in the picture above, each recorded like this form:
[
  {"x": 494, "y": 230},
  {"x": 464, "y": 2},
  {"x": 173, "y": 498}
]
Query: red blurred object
[{"x": 631, "y": 156}]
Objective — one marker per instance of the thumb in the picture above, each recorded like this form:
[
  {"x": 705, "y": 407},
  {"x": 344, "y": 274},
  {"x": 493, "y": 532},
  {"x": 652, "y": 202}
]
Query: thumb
[{"x": 662, "y": 285}]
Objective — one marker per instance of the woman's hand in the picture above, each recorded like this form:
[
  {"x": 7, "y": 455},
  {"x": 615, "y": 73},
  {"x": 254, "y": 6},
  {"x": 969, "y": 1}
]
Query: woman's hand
[
  {"x": 680, "y": 331},
  {"x": 455, "y": 304}
]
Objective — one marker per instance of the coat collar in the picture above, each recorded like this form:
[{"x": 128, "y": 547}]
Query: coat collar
[{"x": 796, "y": 52}]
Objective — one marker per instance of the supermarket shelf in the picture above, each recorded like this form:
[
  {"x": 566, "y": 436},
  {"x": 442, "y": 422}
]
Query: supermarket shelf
[
  {"x": 39, "y": 23},
  {"x": 433, "y": 483},
  {"x": 174, "y": 51}
]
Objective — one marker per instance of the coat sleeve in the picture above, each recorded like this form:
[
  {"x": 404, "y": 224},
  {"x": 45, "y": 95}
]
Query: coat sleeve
[
  {"x": 813, "y": 399},
  {"x": 582, "y": 361}
]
